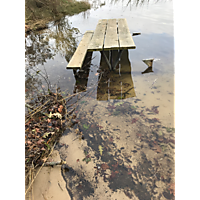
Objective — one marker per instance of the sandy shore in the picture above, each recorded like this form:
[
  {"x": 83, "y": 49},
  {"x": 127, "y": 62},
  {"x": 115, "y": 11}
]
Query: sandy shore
[
  {"x": 137, "y": 138},
  {"x": 49, "y": 183}
]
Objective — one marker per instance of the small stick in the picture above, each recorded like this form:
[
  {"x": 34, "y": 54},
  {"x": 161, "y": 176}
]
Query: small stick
[
  {"x": 60, "y": 186},
  {"x": 62, "y": 162},
  {"x": 32, "y": 176},
  {"x": 153, "y": 83}
]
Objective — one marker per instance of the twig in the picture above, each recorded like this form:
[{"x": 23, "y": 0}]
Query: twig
[
  {"x": 36, "y": 110},
  {"x": 153, "y": 83},
  {"x": 32, "y": 176},
  {"x": 60, "y": 186},
  {"x": 62, "y": 162},
  {"x": 31, "y": 107}
]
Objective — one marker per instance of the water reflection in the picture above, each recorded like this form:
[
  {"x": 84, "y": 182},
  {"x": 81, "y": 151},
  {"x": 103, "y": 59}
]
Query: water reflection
[
  {"x": 148, "y": 70},
  {"x": 82, "y": 75},
  {"x": 138, "y": 155},
  {"x": 116, "y": 84},
  {"x": 42, "y": 46}
]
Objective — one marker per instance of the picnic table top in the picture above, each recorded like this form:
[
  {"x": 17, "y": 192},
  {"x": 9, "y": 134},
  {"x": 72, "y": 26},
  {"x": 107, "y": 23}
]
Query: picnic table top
[{"x": 111, "y": 34}]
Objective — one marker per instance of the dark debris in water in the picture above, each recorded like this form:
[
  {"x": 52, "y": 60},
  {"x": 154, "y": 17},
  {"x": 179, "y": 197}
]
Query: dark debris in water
[
  {"x": 43, "y": 127},
  {"x": 115, "y": 167}
]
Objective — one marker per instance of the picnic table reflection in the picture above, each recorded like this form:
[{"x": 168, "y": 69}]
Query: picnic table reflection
[
  {"x": 82, "y": 75},
  {"x": 117, "y": 84}
]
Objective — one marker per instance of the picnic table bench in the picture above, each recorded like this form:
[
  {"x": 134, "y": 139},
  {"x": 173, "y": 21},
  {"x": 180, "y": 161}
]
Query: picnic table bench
[{"x": 109, "y": 35}]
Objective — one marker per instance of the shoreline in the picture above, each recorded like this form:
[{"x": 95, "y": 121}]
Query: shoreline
[{"x": 37, "y": 16}]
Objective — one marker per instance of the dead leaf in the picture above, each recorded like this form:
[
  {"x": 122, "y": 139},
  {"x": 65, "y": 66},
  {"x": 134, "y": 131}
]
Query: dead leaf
[
  {"x": 113, "y": 174},
  {"x": 40, "y": 141},
  {"x": 157, "y": 148},
  {"x": 116, "y": 165},
  {"x": 100, "y": 126},
  {"x": 104, "y": 166},
  {"x": 172, "y": 188},
  {"x": 134, "y": 120},
  {"x": 59, "y": 110},
  {"x": 45, "y": 135},
  {"x": 61, "y": 106},
  {"x": 129, "y": 173},
  {"x": 37, "y": 130},
  {"x": 29, "y": 142}
]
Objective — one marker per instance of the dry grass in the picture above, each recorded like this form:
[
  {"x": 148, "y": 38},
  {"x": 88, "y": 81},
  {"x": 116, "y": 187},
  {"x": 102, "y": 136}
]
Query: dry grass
[{"x": 39, "y": 12}]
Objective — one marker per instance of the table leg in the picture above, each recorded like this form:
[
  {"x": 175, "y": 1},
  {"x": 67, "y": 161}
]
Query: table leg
[
  {"x": 111, "y": 59},
  {"x": 118, "y": 58},
  {"x": 107, "y": 61}
]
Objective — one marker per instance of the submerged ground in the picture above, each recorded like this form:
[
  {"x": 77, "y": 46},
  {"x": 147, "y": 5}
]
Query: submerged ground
[{"x": 126, "y": 117}]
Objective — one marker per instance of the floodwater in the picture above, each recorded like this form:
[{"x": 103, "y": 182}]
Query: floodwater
[{"x": 126, "y": 116}]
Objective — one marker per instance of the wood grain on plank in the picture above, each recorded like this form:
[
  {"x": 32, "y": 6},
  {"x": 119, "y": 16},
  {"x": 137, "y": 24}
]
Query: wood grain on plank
[
  {"x": 80, "y": 53},
  {"x": 111, "y": 38},
  {"x": 96, "y": 44},
  {"x": 125, "y": 38}
]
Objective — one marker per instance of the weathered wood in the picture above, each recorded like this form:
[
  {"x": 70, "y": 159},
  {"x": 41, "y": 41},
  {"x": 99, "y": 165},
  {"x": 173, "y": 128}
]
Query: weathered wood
[
  {"x": 80, "y": 53},
  {"x": 96, "y": 44},
  {"x": 111, "y": 38},
  {"x": 125, "y": 38}
]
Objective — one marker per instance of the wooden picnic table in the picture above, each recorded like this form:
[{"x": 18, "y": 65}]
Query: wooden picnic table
[{"x": 109, "y": 35}]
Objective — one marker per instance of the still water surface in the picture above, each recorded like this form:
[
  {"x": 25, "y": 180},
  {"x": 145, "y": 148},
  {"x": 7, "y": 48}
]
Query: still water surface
[{"x": 129, "y": 114}]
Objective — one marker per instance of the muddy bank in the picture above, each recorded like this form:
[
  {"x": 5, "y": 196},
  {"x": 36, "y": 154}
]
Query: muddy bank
[{"x": 38, "y": 13}]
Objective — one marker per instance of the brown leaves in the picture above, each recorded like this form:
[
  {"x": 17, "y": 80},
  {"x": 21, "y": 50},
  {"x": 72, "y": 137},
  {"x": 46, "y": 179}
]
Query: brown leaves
[
  {"x": 40, "y": 141},
  {"x": 172, "y": 188},
  {"x": 113, "y": 174},
  {"x": 138, "y": 135},
  {"x": 134, "y": 120},
  {"x": 157, "y": 148},
  {"x": 60, "y": 108},
  {"x": 28, "y": 142},
  {"x": 115, "y": 166},
  {"x": 104, "y": 166},
  {"x": 37, "y": 130}
]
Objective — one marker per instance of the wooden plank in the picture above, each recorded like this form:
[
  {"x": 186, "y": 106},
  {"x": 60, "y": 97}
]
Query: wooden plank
[
  {"x": 80, "y": 53},
  {"x": 96, "y": 44},
  {"x": 125, "y": 38},
  {"x": 111, "y": 38}
]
